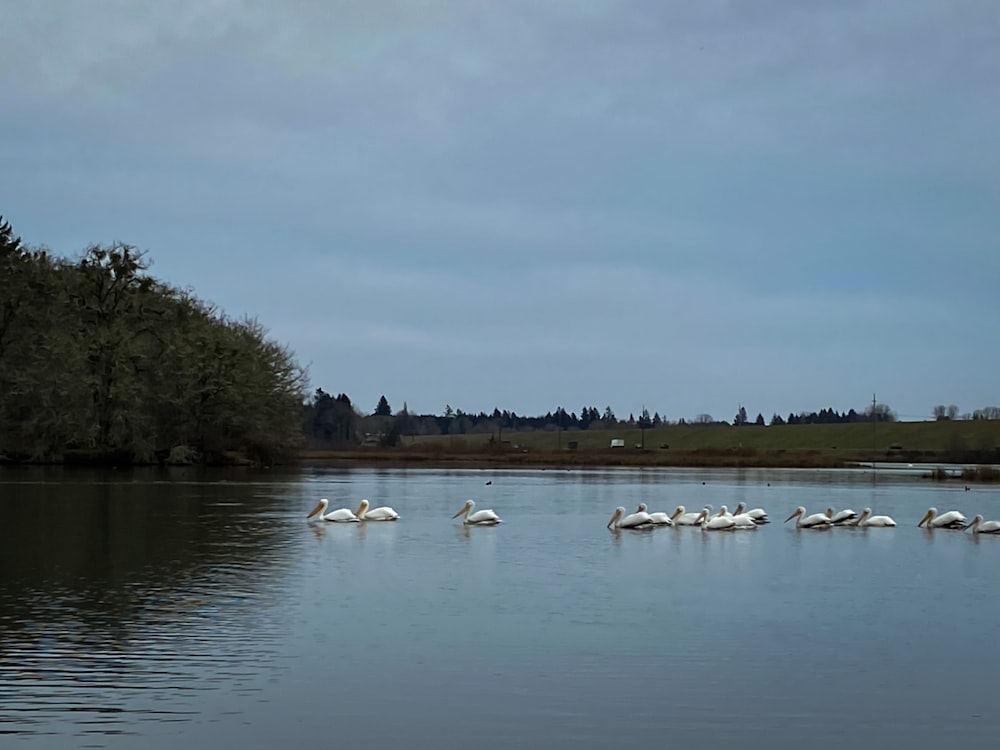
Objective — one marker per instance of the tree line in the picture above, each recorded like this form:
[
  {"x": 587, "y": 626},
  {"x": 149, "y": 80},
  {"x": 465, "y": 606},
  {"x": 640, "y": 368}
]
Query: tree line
[
  {"x": 335, "y": 421},
  {"x": 99, "y": 360},
  {"x": 874, "y": 413},
  {"x": 942, "y": 413}
]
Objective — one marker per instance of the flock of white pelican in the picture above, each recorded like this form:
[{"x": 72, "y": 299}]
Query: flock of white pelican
[
  {"x": 470, "y": 516},
  {"x": 346, "y": 515},
  {"x": 723, "y": 520},
  {"x": 742, "y": 519}
]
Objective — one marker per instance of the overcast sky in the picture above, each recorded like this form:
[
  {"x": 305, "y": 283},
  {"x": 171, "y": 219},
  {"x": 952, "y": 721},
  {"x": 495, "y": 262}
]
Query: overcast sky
[{"x": 685, "y": 205}]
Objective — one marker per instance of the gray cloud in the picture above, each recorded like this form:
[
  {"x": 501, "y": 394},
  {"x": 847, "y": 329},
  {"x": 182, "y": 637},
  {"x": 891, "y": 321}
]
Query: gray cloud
[{"x": 688, "y": 204}]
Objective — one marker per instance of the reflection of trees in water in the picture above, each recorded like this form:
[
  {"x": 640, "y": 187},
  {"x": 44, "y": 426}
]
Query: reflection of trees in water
[
  {"x": 124, "y": 600},
  {"x": 110, "y": 548}
]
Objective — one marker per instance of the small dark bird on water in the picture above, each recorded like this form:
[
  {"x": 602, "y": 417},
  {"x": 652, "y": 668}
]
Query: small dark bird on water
[{"x": 489, "y": 482}]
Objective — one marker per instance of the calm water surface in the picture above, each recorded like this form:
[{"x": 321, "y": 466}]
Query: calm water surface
[{"x": 159, "y": 608}]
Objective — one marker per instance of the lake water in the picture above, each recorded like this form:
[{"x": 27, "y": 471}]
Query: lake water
[{"x": 199, "y": 609}]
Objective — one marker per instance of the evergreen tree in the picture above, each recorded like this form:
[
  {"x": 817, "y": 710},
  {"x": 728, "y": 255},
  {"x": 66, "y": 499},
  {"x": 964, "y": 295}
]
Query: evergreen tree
[{"x": 9, "y": 243}]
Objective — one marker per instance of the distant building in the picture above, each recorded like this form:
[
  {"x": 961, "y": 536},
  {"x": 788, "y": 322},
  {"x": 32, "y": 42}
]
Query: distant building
[{"x": 617, "y": 443}]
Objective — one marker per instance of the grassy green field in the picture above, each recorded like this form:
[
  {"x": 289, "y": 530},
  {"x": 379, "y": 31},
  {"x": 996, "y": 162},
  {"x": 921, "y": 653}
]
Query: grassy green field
[
  {"x": 961, "y": 442},
  {"x": 835, "y": 440}
]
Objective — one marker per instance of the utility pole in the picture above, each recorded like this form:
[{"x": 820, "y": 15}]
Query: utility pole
[
  {"x": 874, "y": 423},
  {"x": 642, "y": 425}
]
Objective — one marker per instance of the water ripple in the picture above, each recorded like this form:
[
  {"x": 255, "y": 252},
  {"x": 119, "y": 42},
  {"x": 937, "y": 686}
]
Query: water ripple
[{"x": 160, "y": 613}]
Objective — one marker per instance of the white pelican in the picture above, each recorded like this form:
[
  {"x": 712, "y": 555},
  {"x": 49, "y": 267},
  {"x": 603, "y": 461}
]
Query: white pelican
[
  {"x": 978, "y": 526},
  {"x": 658, "y": 518},
  {"x": 846, "y": 517},
  {"x": 681, "y": 517},
  {"x": 950, "y": 520},
  {"x": 759, "y": 515},
  {"x": 815, "y": 521},
  {"x": 341, "y": 515},
  {"x": 851, "y": 522},
  {"x": 866, "y": 519},
  {"x": 717, "y": 522},
  {"x": 739, "y": 520},
  {"x": 484, "y": 517},
  {"x": 743, "y": 521},
  {"x": 382, "y": 513},
  {"x": 632, "y": 521}
]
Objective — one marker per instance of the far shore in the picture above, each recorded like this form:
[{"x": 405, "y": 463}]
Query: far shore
[
  {"x": 969, "y": 448},
  {"x": 622, "y": 458},
  {"x": 536, "y": 451}
]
